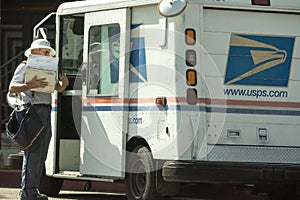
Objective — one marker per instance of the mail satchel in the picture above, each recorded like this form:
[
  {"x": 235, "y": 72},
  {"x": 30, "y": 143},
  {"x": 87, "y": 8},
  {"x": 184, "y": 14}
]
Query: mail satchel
[{"x": 25, "y": 131}]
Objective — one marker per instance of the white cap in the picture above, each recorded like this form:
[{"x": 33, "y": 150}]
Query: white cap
[{"x": 40, "y": 43}]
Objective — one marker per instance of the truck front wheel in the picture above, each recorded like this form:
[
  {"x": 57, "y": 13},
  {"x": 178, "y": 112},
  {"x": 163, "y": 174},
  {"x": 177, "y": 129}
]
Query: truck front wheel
[{"x": 140, "y": 175}]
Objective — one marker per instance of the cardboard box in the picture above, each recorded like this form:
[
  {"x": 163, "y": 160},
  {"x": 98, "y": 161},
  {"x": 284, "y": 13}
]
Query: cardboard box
[
  {"x": 41, "y": 73},
  {"x": 42, "y": 67}
]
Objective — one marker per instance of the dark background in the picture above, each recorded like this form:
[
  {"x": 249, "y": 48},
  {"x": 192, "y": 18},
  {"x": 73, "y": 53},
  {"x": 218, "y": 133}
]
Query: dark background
[{"x": 18, "y": 18}]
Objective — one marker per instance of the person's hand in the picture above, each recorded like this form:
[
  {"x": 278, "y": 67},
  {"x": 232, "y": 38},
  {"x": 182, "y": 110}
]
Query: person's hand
[
  {"x": 37, "y": 83},
  {"x": 64, "y": 81}
]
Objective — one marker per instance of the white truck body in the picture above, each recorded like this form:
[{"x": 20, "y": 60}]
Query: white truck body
[{"x": 229, "y": 97}]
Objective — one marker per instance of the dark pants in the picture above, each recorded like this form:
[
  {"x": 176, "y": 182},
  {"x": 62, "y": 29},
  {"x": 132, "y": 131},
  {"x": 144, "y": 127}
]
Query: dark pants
[{"x": 34, "y": 159}]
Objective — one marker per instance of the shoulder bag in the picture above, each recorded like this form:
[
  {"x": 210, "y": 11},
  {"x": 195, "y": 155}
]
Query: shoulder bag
[{"x": 24, "y": 127}]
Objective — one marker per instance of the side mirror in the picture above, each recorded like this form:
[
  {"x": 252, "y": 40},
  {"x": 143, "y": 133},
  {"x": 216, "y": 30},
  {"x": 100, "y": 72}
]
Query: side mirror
[
  {"x": 37, "y": 31},
  {"x": 171, "y": 8},
  {"x": 41, "y": 33}
]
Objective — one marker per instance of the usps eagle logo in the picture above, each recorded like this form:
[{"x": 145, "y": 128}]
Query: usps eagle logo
[{"x": 259, "y": 60}]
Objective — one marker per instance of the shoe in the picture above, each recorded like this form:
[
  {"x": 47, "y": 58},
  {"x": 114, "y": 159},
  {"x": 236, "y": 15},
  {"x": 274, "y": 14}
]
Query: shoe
[{"x": 36, "y": 197}]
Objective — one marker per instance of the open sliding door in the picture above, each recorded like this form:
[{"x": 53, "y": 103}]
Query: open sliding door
[{"x": 105, "y": 93}]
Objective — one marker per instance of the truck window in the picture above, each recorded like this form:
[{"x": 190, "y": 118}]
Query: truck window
[
  {"x": 72, "y": 44},
  {"x": 103, "y": 60}
]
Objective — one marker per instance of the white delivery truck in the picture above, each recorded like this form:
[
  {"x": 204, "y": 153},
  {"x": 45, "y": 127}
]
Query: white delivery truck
[{"x": 170, "y": 92}]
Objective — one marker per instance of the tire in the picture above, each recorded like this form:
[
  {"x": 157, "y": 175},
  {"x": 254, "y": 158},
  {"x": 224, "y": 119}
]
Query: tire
[
  {"x": 50, "y": 186},
  {"x": 140, "y": 180}
]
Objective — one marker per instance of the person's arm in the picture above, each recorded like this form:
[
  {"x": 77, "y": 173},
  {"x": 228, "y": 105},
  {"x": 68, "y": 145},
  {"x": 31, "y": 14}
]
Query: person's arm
[
  {"x": 62, "y": 84},
  {"x": 34, "y": 83}
]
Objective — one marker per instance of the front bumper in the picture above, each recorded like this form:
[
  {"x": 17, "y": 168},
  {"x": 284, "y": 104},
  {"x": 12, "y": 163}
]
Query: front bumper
[{"x": 230, "y": 172}]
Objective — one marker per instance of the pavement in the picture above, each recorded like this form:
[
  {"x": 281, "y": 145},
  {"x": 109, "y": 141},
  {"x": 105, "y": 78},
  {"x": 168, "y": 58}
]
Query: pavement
[{"x": 13, "y": 194}]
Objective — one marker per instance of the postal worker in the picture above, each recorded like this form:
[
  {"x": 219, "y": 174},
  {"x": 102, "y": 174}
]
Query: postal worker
[{"x": 34, "y": 157}]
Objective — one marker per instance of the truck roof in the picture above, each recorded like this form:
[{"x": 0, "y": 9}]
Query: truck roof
[
  {"x": 96, "y": 5},
  {"x": 93, "y": 5}
]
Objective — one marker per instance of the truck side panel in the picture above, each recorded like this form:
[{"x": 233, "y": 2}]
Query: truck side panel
[{"x": 258, "y": 56}]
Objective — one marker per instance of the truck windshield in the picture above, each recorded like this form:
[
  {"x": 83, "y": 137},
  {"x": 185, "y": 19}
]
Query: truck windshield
[{"x": 71, "y": 48}]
